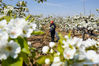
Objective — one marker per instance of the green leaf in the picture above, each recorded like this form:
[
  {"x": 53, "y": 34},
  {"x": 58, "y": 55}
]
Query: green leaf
[
  {"x": 70, "y": 46},
  {"x": 61, "y": 36},
  {"x": 24, "y": 46},
  {"x": 41, "y": 60},
  {"x": 13, "y": 62},
  {"x": 27, "y": 17},
  {"x": 60, "y": 41},
  {"x": 32, "y": 19},
  {"x": 2, "y": 18},
  {"x": 7, "y": 18},
  {"x": 62, "y": 58},
  {"x": 69, "y": 35},
  {"x": 25, "y": 57},
  {"x": 60, "y": 49},
  {"x": 33, "y": 54},
  {"x": 51, "y": 57},
  {"x": 37, "y": 32},
  {"x": 15, "y": 16}
]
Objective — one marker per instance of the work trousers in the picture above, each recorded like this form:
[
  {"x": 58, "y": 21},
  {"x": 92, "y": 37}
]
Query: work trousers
[{"x": 52, "y": 36}]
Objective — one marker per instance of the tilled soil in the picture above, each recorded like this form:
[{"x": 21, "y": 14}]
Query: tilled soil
[{"x": 38, "y": 41}]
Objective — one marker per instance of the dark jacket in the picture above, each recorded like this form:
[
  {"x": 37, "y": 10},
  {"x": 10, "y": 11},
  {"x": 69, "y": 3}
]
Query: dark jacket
[{"x": 52, "y": 28}]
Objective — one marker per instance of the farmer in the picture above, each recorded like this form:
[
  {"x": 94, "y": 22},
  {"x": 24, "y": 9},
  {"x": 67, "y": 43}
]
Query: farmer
[{"x": 52, "y": 30}]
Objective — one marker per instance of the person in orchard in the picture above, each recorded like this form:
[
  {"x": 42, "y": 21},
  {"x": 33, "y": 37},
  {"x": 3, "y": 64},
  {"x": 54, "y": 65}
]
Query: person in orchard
[{"x": 52, "y": 30}]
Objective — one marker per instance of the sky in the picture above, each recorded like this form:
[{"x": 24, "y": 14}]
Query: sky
[{"x": 59, "y": 7}]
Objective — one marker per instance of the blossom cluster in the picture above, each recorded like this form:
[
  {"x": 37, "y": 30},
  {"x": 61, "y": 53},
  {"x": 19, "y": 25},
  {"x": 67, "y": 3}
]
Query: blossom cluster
[
  {"x": 76, "y": 47},
  {"x": 45, "y": 49},
  {"x": 9, "y": 31},
  {"x": 88, "y": 22},
  {"x": 72, "y": 49}
]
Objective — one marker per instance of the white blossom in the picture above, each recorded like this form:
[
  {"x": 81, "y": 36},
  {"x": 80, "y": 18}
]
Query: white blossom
[
  {"x": 14, "y": 32},
  {"x": 91, "y": 55},
  {"x": 65, "y": 44},
  {"x": 47, "y": 61},
  {"x": 69, "y": 53},
  {"x": 51, "y": 51},
  {"x": 3, "y": 35},
  {"x": 28, "y": 32},
  {"x": 56, "y": 59},
  {"x": 66, "y": 37},
  {"x": 81, "y": 53},
  {"x": 74, "y": 41},
  {"x": 29, "y": 43},
  {"x": 58, "y": 64},
  {"x": 3, "y": 38},
  {"x": 45, "y": 49},
  {"x": 3, "y": 25},
  {"x": 52, "y": 44},
  {"x": 33, "y": 26},
  {"x": 58, "y": 53},
  {"x": 10, "y": 49}
]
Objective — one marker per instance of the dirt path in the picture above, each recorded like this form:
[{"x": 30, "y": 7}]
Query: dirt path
[{"x": 39, "y": 40}]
